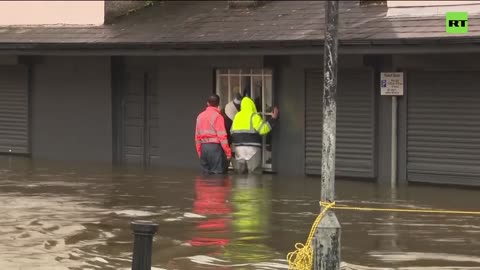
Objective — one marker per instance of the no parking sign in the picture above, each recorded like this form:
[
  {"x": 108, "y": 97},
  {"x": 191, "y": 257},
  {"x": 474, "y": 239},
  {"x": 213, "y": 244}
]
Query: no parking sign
[{"x": 391, "y": 83}]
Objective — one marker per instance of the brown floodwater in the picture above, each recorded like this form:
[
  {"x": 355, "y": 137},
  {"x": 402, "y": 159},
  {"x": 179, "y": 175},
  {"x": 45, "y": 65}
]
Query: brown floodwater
[{"x": 78, "y": 217}]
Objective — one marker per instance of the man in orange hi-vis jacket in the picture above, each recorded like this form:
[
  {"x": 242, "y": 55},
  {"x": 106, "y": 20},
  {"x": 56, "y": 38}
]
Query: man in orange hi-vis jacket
[{"x": 211, "y": 139}]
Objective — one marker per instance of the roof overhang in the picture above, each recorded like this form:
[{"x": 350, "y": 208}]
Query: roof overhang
[{"x": 304, "y": 47}]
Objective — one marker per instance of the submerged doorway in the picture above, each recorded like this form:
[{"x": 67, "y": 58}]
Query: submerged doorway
[
  {"x": 139, "y": 120},
  {"x": 256, "y": 84}
]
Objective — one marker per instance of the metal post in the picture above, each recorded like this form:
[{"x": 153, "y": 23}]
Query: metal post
[
  {"x": 394, "y": 142},
  {"x": 142, "y": 247},
  {"x": 327, "y": 238}
]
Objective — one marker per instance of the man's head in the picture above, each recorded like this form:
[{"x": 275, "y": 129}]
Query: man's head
[
  {"x": 213, "y": 100},
  {"x": 237, "y": 100}
]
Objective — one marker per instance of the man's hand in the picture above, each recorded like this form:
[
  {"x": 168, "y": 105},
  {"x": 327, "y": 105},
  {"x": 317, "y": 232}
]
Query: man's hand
[{"x": 275, "y": 113}]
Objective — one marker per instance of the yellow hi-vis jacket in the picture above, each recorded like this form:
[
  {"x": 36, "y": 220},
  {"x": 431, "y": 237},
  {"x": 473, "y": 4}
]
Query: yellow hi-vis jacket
[{"x": 248, "y": 126}]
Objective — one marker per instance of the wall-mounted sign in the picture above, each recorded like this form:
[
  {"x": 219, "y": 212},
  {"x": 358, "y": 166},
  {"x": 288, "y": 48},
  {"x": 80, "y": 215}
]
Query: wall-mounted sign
[{"x": 391, "y": 83}]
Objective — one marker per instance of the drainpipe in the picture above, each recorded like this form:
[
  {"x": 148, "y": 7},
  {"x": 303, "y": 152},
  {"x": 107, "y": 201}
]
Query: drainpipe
[{"x": 394, "y": 141}]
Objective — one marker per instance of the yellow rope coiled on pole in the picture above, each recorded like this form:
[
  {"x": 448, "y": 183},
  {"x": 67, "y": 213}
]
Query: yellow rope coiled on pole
[{"x": 302, "y": 257}]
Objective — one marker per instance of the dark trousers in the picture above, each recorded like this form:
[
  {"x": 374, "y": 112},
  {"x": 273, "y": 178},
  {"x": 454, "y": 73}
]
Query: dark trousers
[{"x": 213, "y": 159}]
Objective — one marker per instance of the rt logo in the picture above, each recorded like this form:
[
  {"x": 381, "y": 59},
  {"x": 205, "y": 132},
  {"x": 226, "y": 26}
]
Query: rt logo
[{"x": 456, "y": 22}]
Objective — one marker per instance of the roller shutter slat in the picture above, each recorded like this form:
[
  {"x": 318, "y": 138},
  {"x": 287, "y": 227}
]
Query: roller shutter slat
[
  {"x": 14, "y": 131},
  {"x": 355, "y": 124}
]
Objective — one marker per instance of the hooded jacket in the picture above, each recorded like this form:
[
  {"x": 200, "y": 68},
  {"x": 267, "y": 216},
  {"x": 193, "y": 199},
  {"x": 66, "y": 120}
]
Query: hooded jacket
[{"x": 248, "y": 126}]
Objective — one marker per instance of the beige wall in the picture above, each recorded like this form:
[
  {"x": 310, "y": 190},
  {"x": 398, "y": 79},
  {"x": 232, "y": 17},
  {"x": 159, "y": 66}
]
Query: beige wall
[
  {"x": 396, "y": 3},
  {"x": 430, "y": 8},
  {"x": 51, "y": 12}
]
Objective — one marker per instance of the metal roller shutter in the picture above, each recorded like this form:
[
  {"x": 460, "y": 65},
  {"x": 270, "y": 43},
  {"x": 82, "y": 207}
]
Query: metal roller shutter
[
  {"x": 355, "y": 123},
  {"x": 443, "y": 145},
  {"x": 14, "y": 119}
]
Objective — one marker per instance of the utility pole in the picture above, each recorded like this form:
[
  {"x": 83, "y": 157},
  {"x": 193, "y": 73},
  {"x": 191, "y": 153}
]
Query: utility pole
[{"x": 327, "y": 238}]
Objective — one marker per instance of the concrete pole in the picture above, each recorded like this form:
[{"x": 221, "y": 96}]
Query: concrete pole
[
  {"x": 327, "y": 239},
  {"x": 329, "y": 101}
]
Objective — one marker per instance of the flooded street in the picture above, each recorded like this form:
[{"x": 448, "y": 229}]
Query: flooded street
[{"x": 79, "y": 218}]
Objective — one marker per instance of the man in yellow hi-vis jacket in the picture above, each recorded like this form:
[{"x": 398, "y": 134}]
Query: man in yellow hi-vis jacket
[{"x": 247, "y": 130}]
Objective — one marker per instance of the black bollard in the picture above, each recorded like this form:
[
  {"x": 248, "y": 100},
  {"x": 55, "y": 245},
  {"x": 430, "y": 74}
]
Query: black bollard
[{"x": 142, "y": 248}]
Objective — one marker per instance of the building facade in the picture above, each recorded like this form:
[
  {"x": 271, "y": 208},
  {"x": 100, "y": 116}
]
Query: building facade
[{"x": 128, "y": 92}]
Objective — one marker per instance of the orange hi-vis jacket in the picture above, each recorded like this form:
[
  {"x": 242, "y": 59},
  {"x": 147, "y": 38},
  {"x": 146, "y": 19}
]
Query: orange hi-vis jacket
[{"x": 211, "y": 129}]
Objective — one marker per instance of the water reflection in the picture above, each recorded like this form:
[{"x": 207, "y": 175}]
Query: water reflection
[
  {"x": 211, "y": 201},
  {"x": 251, "y": 200}
]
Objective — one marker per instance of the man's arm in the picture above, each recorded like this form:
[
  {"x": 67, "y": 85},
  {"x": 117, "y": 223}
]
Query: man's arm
[
  {"x": 219, "y": 126},
  {"x": 198, "y": 145},
  {"x": 264, "y": 127}
]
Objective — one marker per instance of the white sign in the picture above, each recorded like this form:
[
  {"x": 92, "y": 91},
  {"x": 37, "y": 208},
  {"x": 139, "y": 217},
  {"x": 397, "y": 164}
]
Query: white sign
[{"x": 391, "y": 83}]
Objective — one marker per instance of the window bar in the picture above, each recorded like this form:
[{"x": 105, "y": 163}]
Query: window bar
[
  {"x": 218, "y": 87},
  {"x": 264, "y": 111},
  {"x": 229, "y": 91},
  {"x": 252, "y": 90},
  {"x": 264, "y": 139},
  {"x": 229, "y": 83},
  {"x": 240, "y": 81}
]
